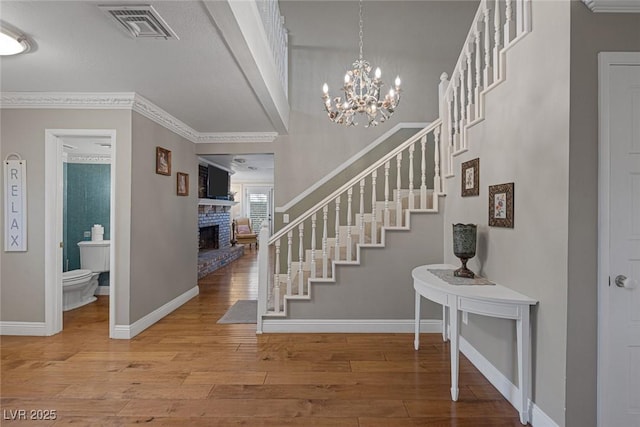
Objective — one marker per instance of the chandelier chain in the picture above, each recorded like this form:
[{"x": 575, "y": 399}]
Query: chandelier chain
[{"x": 361, "y": 29}]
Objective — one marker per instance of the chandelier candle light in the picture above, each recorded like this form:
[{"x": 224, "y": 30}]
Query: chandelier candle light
[{"x": 362, "y": 94}]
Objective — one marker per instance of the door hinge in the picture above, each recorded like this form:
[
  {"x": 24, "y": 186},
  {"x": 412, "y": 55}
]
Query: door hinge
[{"x": 609, "y": 280}]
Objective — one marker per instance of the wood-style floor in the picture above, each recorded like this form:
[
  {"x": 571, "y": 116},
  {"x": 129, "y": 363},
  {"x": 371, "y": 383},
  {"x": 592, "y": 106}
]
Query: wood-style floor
[{"x": 187, "y": 370}]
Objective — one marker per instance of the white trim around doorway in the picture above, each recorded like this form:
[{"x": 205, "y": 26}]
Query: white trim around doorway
[
  {"x": 53, "y": 225},
  {"x": 605, "y": 61}
]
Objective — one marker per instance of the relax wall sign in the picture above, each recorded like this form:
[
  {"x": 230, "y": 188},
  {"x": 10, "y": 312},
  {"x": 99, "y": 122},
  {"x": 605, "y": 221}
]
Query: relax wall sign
[{"x": 15, "y": 204}]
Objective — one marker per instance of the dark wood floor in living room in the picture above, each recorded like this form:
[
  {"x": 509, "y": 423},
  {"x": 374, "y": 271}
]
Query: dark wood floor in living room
[{"x": 187, "y": 370}]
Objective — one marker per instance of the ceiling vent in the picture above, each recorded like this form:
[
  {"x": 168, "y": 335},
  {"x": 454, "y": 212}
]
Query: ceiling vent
[{"x": 140, "y": 21}]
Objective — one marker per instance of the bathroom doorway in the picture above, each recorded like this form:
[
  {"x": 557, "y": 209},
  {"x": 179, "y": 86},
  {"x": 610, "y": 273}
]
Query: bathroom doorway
[{"x": 78, "y": 214}]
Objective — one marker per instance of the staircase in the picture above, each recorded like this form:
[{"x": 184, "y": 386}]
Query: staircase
[{"x": 406, "y": 181}]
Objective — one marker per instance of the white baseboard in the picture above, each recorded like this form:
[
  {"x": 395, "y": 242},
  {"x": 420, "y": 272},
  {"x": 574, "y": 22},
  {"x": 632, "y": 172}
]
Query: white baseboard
[
  {"x": 125, "y": 332},
  {"x": 102, "y": 290},
  {"x": 348, "y": 326},
  {"x": 36, "y": 329},
  {"x": 537, "y": 416}
]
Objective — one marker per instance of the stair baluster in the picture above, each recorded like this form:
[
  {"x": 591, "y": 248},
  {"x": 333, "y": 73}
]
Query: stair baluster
[
  {"x": 463, "y": 109},
  {"x": 456, "y": 123},
  {"x": 289, "y": 260},
  {"x": 325, "y": 255},
  {"x": 386, "y": 194},
  {"x": 314, "y": 218},
  {"x": 423, "y": 173},
  {"x": 374, "y": 202},
  {"x": 336, "y": 252},
  {"x": 349, "y": 203},
  {"x": 507, "y": 22},
  {"x": 300, "y": 259},
  {"x": 476, "y": 94},
  {"x": 361, "y": 236},
  {"x": 487, "y": 44},
  {"x": 470, "y": 105},
  {"x": 436, "y": 161},
  {"x": 496, "y": 44},
  {"x": 398, "y": 190},
  {"x": 412, "y": 201}
]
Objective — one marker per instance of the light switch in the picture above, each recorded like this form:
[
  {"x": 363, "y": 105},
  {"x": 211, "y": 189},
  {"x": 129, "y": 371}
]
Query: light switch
[{"x": 285, "y": 218}]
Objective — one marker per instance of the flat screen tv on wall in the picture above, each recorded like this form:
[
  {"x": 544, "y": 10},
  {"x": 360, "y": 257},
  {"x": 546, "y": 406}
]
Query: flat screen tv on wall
[{"x": 217, "y": 183}]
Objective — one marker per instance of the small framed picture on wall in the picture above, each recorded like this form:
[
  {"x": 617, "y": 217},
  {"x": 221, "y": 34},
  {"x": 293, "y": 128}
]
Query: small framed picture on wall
[
  {"x": 183, "y": 184},
  {"x": 163, "y": 161},
  {"x": 501, "y": 205},
  {"x": 471, "y": 178}
]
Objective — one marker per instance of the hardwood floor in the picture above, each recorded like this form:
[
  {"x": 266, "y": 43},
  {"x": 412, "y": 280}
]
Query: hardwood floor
[{"x": 187, "y": 370}]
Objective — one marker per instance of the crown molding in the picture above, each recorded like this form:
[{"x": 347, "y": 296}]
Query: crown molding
[
  {"x": 68, "y": 100},
  {"x": 236, "y": 137},
  {"x": 125, "y": 101},
  {"x": 613, "y": 6}
]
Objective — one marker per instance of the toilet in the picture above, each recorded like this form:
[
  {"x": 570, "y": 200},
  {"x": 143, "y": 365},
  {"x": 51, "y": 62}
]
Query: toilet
[{"x": 79, "y": 286}]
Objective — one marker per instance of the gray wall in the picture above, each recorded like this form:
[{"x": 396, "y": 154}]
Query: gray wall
[
  {"x": 22, "y": 275},
  {"x": 525, "y": 140},
  {"x": 381, "y": 287},
  {"x": 164, "y": 226},
  {"x": 590, "y": 33}
]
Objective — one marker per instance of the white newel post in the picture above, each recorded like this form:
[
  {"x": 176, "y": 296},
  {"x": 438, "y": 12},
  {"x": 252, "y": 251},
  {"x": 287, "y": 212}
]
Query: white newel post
[
  {"x": 276, "y": 280},
  {"x": 263, "y": 274}
]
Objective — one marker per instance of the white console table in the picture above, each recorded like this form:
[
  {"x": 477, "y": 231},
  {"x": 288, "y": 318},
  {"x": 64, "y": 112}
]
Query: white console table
[{"x": 486, "y": 300}]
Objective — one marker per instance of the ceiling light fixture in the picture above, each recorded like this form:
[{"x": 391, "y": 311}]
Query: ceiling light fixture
[
  {"x": 12, "y": 43},
  {"x": 362, "y": 93}
]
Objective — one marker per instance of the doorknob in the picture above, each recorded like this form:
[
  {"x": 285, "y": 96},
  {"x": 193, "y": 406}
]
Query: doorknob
[{"x": 623, "y": 281}]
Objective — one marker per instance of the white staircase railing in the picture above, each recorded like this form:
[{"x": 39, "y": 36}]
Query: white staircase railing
[
  {"x": 481, "y": 67},
  {"x": 288, "y": 266},
  {"x": 278, "y": 38}
]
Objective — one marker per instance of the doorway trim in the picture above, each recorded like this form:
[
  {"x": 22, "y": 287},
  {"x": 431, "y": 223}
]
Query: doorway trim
[
  {"x": 606, "y": 60},
  {"x": 53, "y": 206}
]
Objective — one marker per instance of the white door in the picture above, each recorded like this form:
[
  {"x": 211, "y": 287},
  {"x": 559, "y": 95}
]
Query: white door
[
  {"x": 258, "y": 202},
  {"x": 619, "y": 340}
]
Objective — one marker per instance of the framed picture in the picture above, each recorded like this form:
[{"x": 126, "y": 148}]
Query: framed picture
[
  {"x": 163, "y": 161},
  {"x": 501, "y": 205},
  {"x": 183, "y": 184},
  {"x": 471, "y": 178}
]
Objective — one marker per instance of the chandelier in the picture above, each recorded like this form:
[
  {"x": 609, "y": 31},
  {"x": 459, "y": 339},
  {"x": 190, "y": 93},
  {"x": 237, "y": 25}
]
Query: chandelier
[{"x": 362, "y": 94}]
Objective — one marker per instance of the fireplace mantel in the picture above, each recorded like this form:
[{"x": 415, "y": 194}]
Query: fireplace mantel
[{"x": 216, "y": 202}]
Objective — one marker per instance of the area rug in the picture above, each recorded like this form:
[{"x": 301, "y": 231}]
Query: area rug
[{"x": 243, "y": 311}]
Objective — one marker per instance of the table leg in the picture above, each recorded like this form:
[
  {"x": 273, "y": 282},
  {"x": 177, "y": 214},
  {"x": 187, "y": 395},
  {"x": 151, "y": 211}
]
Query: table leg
[
  {"x": 416, "y": 340},
  {"x": 445, "y": 323},
  {"x": 454, "y": 331},
  {"x": 524, "y": 354}
]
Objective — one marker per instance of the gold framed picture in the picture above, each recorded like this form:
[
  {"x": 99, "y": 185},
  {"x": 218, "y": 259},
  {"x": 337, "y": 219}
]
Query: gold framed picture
[
  {"x": 182, "y": 184},
  {"x": 501, "y": 205},
  {"x": 163, "y": 161},
  {"x": 471, "y": 178}
]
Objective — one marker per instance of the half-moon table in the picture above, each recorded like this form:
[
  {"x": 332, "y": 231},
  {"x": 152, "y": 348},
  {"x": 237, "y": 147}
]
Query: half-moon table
[{"x": 487, "y": 300}]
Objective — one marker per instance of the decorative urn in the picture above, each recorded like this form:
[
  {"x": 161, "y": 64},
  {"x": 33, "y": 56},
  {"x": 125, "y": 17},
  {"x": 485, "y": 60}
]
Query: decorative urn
[{"x": 464, "y": 247}]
